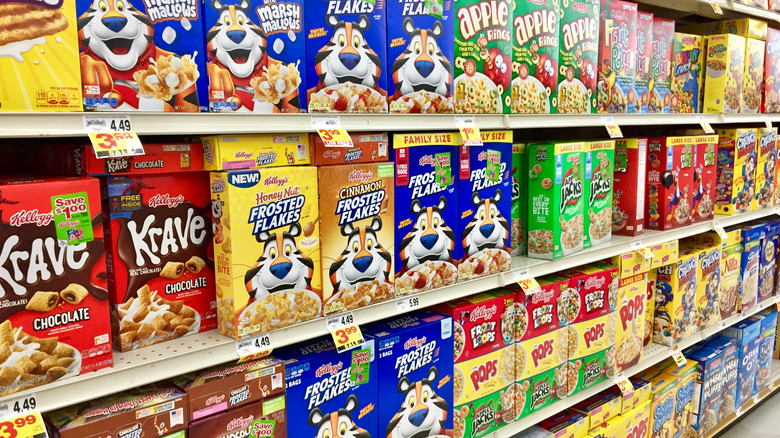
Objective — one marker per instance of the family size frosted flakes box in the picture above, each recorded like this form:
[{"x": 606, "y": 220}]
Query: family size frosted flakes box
[
  {"x": 662, "y": 406},
  {"x": 765, "y": 167},
  {"x": 420, "y": 54},
  {"x": 638, "y": 424},
  {"x": 255, "y": 56},
  {"x": 484, "y": 190},
  {"x": 675, "y": 295},
  {"x": 727, "y": 348},
  {"x": 267, "y": 248},
  {"x": 251, "y": 151},
  {"x": 724, "y": 73},
  {"x": 730, "y": 286},
  {"x": 737, "y": 161},
  {"x": 705, "y": 175},
  {"x": 53, "y": 291},
  {"x": 617, "y": 57},
  {"x": 143, "y": 56},
  {"x": 327, "y": 389},
  {"x": 535, "y": 57},
  {"x": 414, "y": 369},
  {"x": 748, "y": 336},
  {"x": 771, "y": 98},
  {"x": 555, "y": 197},
  {"x": 708, "y": 389},
  {"x": 267, "y": 418},
  {"x": 578, "y": 57},
  {"x": 567, "y": 424},
  {"x": 346, "y": 53},
  {"x": 630, "y": 321},
  {"x": 750, "y": 265},
  {"x": 356, "y": 235},
  {"x": 644, "y": 55},
  {"x": 628, "y": 193},
  {"x": 366, "y": 148},
  {"x": 483, "y": 56},
  {"x": 598, "y": 186},
  {"x": 518, "y": 234},
  {"x": 425, "y": 211},
  {"x": 660, "y": 98},
  {"x": 683, "y": 404},
  {"x": 670, "y": 182},
  {"x": 686, "y": 79}
]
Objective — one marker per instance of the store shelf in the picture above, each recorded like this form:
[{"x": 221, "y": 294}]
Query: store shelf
[{"x": 704, "y": 8}]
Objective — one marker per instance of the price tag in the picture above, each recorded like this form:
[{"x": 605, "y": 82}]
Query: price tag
[
  {"x": 469, "y": 131},
  {"x": 407, "y": 304},
  {"x": 28, "y": 425},
  {"x": 738, "y": 411},
  {"x": 645, "y": 252},
  {"x": 677, "y": 355},
  {"x": 528, "y": 283},
  {"x": 612, "y": 128},
  {"x": 18, "y": 406},
  {"x": 722, "y": 326},
  {"x": 719, "y": 229},
  {"x": 705, "y": 125},
  {"x": 346, "y": 334},
  {"x": 715, "y": 8},
  {"x": 115, "y": 144},
  {"x": 756, "y": 398},
  {"x": 253, "y": 348},
  {"x": 330, "y": 131},
  {"x": 768, "y": 123},
  {"x": 625, "y": 385},
  {"x": 106, "y": 124},
  {"x": 635, "y": 245}
]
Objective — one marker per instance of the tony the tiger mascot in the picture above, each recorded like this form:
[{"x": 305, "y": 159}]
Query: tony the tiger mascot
[
  {"x": 430, "y": 239},
  {"x": 488, "y": 229},
  {"x": 422, "y": 414},
  {"x": 281, "y": 267},
  {"x": 364, "y": 258},
  {"x": 422, "y": 66},
  {"x": 116, "y": 40},
  {"x": 338, "y": 424}
]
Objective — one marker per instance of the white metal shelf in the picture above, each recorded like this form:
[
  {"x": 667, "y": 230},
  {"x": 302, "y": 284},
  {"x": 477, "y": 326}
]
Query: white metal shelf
[{"x": 704, "y": 8}]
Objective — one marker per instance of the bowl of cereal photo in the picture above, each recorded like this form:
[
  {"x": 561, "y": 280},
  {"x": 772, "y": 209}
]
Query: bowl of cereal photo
[
  {"x": 347, "y": 98},
  {"x": 530, "y": 96},
  {"x": 477, "y": 94},
  {"x": 279, "y": 309},
  {"x": 275, "y": 82},
  {"x": 573, "y": 97}
]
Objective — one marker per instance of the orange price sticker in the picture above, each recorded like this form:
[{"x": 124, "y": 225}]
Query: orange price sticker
[
  {"x": 715, "y": 8},
  {"x": 29, "y": 425},
  {"x": 470, "y": 136},
  {"x": 335, "y": 137},
  {"x": 115, "y": 144},
  {"x": 625, "y": 385},
  {"x": 345, "y": 331},
  {"x": 524, "y": 279}
]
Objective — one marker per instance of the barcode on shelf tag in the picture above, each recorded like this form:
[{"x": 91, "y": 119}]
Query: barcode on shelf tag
[
  {"x": 461, "y": 121},
  {"x": 625, "y": 385},
  {"x": 319, "y": 122},
  {"x": 18, "y": 406},
  {"x": 756, "y": 398},
  {"x": 738, "y": 411},
  {"x": 705, "y": 125},
  {"x": 102, "y": 123},
  {"x": 677, "y": 355},
  {"x": 612, "y": 128},
  {"x": 521, "y": 274},
  {"x": 254, "y": 347},
  {"x": 722, "y": 325},
  {"x": 407, "y": 304},
  {"x": 341, "y": 320}
]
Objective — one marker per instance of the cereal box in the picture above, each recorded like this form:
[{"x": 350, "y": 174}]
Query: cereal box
[
  {"x": 255, "y": 56},
  {"x": 704, "y": 177},
  {"x": 660, "y": 98},
  {"x": 662, "y": 406},
  {"x": 555, "y": 198},
  {"x": 708, "y": 288},
  {"x": 617, "y": 57},
  {"x": 54, "y": 301},
  {"x": 686, "y": 79},
  {"x": 628, "y": 199},
  {"x": 39, "y": 69},
  {"x": 266, "y": 418},
  {"x": 768, "y": 261},
  {"x": 143, "y": 56},
  {"x": 644, "y": 53},
  {"x": 267, "y": 248},
  {"x": 414, "y": 370},
  {"x": 366, "y": 148},
  {"x": 737, "y": 161},
  {"x": 630, "y": 322},
  {"x": 768, "y": 335},
  {"x": 346, "y": 46},
  {"x": 420, "y": 54},
  {"x": 750, "y": 266},
  {"x": 535, "y": 57},
  {"x": 748, "y": 335},
  {"x": 599, "y": 172},
  {"x": 325, "y": 387},
  {"x": 567, "y": 424},
  {"x": 728, "y": 349},
  {"x": 638, "y": 423},
  {"x": 483, "y": 56},
  {"x": 161, "y": 265},
  {"x": 771, "y": 98},
  {"x": 518, "y": 227},
  {"x": 426, "y": 211},
  {"x": 708, "y": 389},
  {"x": 578, "y": 57},
  {"x": 730, "y": 262},
  {"x": 600, "y": 407},
  {"x": 683, "y": 405},
  {"x": 356, "y": 235},
  {"x": 484, "y": 205},
  {"x": 251, "y": 151},
  {"x": 639, "y": 396},
  {"x": 670, "y": 181},
  {"x": 765, "y": 168},
  {"x": 652, "y": 280},
  {"x": 725, "y": 68},
  {"x": 753, "y": 75},
  {"x": 613, "y": 428},
  {"x": 675, "y": 295}
]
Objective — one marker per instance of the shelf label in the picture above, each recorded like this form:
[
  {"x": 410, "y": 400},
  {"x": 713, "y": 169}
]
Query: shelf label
[
  {"x": 677, "y": 355},
  {"x": 254, "y": 347},
  {"x": 469, "y": 132},
  {"x": 346, "y": 333},
  {"x": 722, "y": 326},
  {"x": 107, "y": 123},
  {"x": 28, "y": 425},
  {"x": 635, "y": 245},
  {"x": 719, "y": 229},
  {"x": 645, "y": 253},
  {"x": 18, "y": 406},
  {"x": 524, "y": 280},
  {"x": 612, "y": 128},
  {"x": 738, "y": 411},
  {"x": 715, "y": 8},
  {"x": 768, "y": 123},
  {"x": 330, "y": 131},
  {"x": 625, "y": 385},
  {"x": 756, "y": 398},
  {"x": 705, "y": 125},
  {"x": 404, "y": 305}
]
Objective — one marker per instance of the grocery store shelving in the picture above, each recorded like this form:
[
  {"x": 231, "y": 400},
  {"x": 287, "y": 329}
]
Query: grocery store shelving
[{"x": 704, "y": 8}]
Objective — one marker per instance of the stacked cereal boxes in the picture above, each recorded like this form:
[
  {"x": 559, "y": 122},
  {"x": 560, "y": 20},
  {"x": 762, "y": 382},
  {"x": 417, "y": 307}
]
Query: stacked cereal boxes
[
  {"x": 638, "y": 423},
  {"x": 684, "y": 396},
  {"x": 708, "y": 389},
  {"x": 730, "y": 264},
  {"x": 768, "y": 261},
  {"x": 768, "y": 319},
  {"x": 675, "y": 295},
  {"x": 598, "y": 184},
  {"x": 748, "y": 336},
  {"x": 366, "y": 147},
  {"x": 578, "y": 57},
  {"x": 750, "y": 266},
  {"x": 771, "y": 98},
  {"x": 686, "y": 79},
  {"x": 670, "y": 182},
  {"x": 765, "y": 168},
  {"x": 660, "y": 98},
  {"x": 724, "y": 78},
  {"x": 535, "y": 57},
  {"x": 704, "y": 177},
  {"x": 662, "y": 406},
  {"x": 755, "y": 32},
  {"x": 628, "y": 200},
  {"x": 630, "y": 321},
  {"x": 519, "y": 225},
  {"x": 249, "y": 151},
  {"x": 644, "y": 53},
  {"x": 617, "y": 58},
  {"x": 728, "y": 349},
  {"x": 737, "y": 161}
]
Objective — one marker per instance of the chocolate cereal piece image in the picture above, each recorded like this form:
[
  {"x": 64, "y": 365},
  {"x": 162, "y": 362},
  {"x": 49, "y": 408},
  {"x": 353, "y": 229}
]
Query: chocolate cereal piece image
[
  {"x": 74, "y": 293},
  {"x": 195, "y": 264},
  {"x": 43, "y": 301},
  {"x": 172, "y": 270}
]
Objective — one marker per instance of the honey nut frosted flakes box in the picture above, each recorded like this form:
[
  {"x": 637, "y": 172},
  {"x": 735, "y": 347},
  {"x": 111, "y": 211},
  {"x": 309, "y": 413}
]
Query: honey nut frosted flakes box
[
  {"x": 730, "y": 287},
  {"x": 425, "y": 211},
  {"x": 753, "y": 76},
  {"x": 670, "y": 181},
  {"x": 555, "y": 198},
  {"x": 366, "y": 148},
  {"x": 628, "y": 192},
  {"x": 771, "y": 98},
  {"x": 578, "y": 57},
  {"x": 737, "y": 161},
  {"x": 617, "y": 57},
  {"x": 484, "y": 206},
  {"x": 765, "y": 168},
  {"x": 686, "y": 79},
  {"x": 346, "y": 48},
  {"x": 660, "y": 98},
  {"x": 518, "y": 234},
  {"x": 420, "y": 54},
  {"x": 356, "y": 235},
  {"x": 250, "y": 151},
  {"x": 535, "y": 57},
  {"x": 483, "y": 56},
  {"x": 268, "y": 259},
  {"x": 644, "y": 54},
  {"x": 675, "y": 296},
  {"x": 630, "y": 322},
  {"x": 598, "y": 184},
  {"x": 143, "y": 56},
  {"x": 724, "y": 74},
  {"x": 705, "y": 173}
]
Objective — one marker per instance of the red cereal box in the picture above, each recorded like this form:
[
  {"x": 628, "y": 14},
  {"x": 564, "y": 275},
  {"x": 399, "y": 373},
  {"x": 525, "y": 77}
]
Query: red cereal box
[
  {"x": 771, "y": 101},
  {"x": 669, "y": 182},
  {"x": 660, "y": 95},
  {"x": 644, "y": 53},
  {"x": 366, "y": 148},
  {"x": 53, "y": 293},
  {"x": 617, "y": 56},
  {"x": 628, "y": 201},
  {"x": 704, "y": 177}
]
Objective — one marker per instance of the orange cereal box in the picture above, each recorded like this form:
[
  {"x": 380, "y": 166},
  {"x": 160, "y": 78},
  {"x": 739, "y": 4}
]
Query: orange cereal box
[{"x": 725, "y": 69}]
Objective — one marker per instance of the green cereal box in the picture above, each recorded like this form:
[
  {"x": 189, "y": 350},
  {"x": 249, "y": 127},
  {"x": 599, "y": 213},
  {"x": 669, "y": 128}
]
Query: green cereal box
[
  {"x": 535, "y": 57},
  {"x": 483, "y": 56},
  {"x": 617, "y": 60},
  {"x": 519, "y": 226},
  {"x": 555, "y": 198},
  {"x": 578, "y": 56},
  {"x": 597, "y": 196}
]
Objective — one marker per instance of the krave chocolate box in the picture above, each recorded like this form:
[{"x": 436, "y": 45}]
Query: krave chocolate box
[{"x": 265, "y": 418}]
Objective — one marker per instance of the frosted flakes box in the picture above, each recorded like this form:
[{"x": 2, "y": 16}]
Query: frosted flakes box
[
  {"x": 598, "y": 184},
  {"x": 420, "y": 54},
  {"x": 737, "y": 161},
  {"x": 267, "y": 418},
  {"x": 617, "y": 57},
  {"x": 251, "y": 151},
  {"x": 346, "y": 48},
  {"x": 425, "y": 211},
  {"x": 366, "y": 148},
  {"x": 705, "y": 173},
  {"x": 628, "y": 192},
  {"x": 660, "y": 98},
  {"x": 644, "y": 53},
  {"x": 483, "y": 56},
  {"x": 686, "y": 79},
  {"x": 267, "y": 248},
  {"x": 518, "y": 234},
  {"x": 724, "y": 74},
  {"x": 143, "y": 56},
  {"x": 670, "y": 182},
  {"x": 630, "y": 321},
  {"x": 578, "y": 57},
  {"x": 708, "y": 389},
  {"x": 535, "y": 57},
  {"x": 771, "y": 89},
  {"x": 484, "y": 190},
  {"x": 675, "y": 295},
  {"x": 765, "y": 167}
]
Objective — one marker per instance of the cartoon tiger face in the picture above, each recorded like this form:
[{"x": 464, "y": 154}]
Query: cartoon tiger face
[
  {"x": 430, "y": 239},
  {"x": 422, "y": 413},
  {"x": 116, "y": 31},
  {"x": 282, "y": 265},
  {"x": 338, "y": 424},
  {"x": 235, "y": 41},
  {"x": 422, "y": 66},
  {"x": 488, "y": 228},
  {"x": 364, "y": 258},
  {"x": 216, "y": 207},
  {"x": 347, "y": 56}
]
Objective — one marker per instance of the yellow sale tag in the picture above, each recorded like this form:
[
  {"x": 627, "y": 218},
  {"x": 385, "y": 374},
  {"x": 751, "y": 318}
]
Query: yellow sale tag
[
  {"x": 470, "y": 136},
  {"x": 528, "y": 283},
  {"x": 335, "y": 137},
  {"x": 716, "y": 8},
  {"x": 347, "y": 338},
  {"x": 677, "y": 355},
  {"x": 614, "y": 130},
  {"x": 29, "y": 425},
  {"x": 625, "y": 385},
  {"x": 116, "y": 144},
  {"x": 645, "y": 252},
  {"x": 707, "y": 128}
]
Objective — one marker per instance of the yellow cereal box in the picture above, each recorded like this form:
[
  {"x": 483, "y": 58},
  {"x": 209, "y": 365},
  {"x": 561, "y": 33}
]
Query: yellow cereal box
[
  {"x": 632, "y": 292},
  {"x": 251, "y": 151},
  {"x": 683, "y": 404},
  {"x": 737, "y": 161},
  {"x": 725, "y": 67},
  {"x": 641, "y": 394},
  {"x": 484, "y": 375},
  {"x": 730, "y": 263},
  {"x": 753, "y": 75},
  {"x": 268, "y": 260},
  {"x": 675, "y": 294},
  {"x": 652, "y": 279},
  {"x": 638, "y": 423},
  {"x": 708, "y": 277},
  {"x": 664, "y": 254},
  {"x": 39, "y": 56},
  {"x": 631, "y": 263},
  {"x": 600, "y": 407},
  {"x": 765, "y": 170},
  {"x": 613, "y": 428},
  {"x": 662, "y": 406}
]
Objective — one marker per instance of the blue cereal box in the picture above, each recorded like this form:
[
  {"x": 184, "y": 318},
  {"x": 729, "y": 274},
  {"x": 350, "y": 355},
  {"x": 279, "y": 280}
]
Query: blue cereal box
[
  {"x": 346, "y": 53},
  {"x": 484, "y": 206},
  {"x": 768, "y": 265},
  {"x": 330, "y": 391},
  {"x": 415, "y": 371},
  {"x": 708, "y": 388},
  {"x": 426, "y": 211},
  {"x": 256, "y": 55},
  {"x": 142, "y": 55},
  {"x": 419, "y": 54},
  {"x": 728, "y": 348},
  {"x": 748, "y": 336},
  {"x": 768, "y": 319},
  {"x": 752, "y": 236}
]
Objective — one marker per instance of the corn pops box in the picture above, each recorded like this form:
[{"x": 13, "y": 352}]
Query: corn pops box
[
  {"x": 250, "y": 151},
  {"x": 765, "y": 167},
  {"x": 737, "y": 161},
  {"x": 675, "y": 295},
  {"x": 142, "y": 56},
  {"x": 628, "y": 193},
  {"x": 771, "y": 89},
  {"x": 660, "y": 96},
  {"x": 724, "y": 73},
  {"x": 644, "y": 53},
  {"x": 420, "y": 54},
  {"x": 598, "y": 186},
  {"x": 578, "y": 57},
  {"x": 518, "y": 234},
  {"x": 535, "y": 57},
  {"x": 753, "y": 75},
  {"x": 670, "y": 182},
  {"x": 268, "y": 257},
  {"x": 686, "y": 79},
  {"x": 730, "y": 286},
  {"x": 630, "y": 322},
  {"x": 346, "y": 46},
  {"x": 617, "y": 57},
  {"x": 704, "y": 177},
  {"x": 638, "y": 420},
  {"x": 426, "y": 211}
]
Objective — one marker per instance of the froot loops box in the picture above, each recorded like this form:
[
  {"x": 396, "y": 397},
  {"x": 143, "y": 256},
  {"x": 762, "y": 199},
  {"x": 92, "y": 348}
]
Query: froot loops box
[
  {"x": 737, "y": 161},
  {"x": 578, "y": 57},
  {"x": 644, "y": 53},
  {"x": 617, "y": 57},
  {"x": 660, "y": 98},
  {"x": 535, "y": 57}
]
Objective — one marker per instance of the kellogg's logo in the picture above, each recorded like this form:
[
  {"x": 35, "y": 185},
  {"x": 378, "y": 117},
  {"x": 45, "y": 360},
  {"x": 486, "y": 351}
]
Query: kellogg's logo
[
  {"x": 328, "y": 368},
  {"x": 414, "y": 342},
  {"x": 166, "y": 200},
  {"x": 240, "y": 422},
  {"x": 276, "y": 181},
  {"x": 483, "y": 312},
  {"x": 582, "y": 8},
  {"x": 426, "y": 160},
  {"x": 359, "y": 175},
  {"x": 24, "y": 217},
  {"x": 332, "y": 153}
]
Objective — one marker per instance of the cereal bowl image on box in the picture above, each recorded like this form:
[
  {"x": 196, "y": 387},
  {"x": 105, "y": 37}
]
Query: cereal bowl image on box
[{"x": 535, "y": 57}]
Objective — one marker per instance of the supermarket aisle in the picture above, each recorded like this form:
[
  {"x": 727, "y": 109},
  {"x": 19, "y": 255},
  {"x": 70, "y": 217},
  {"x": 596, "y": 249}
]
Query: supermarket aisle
[{"x": 762, "y": 422}]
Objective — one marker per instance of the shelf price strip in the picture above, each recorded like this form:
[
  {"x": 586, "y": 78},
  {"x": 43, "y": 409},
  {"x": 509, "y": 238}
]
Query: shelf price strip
[
  {"x": 469, "y": 132},
  {"x": 346, "y": 333},
  {"x": 254, "y": 347},
  {"x": 18, "y": 406},
  {"x": 112, "y": 136},
  {"x": 407, "y": 304},
  {"x": 330, "y": 131}
]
